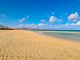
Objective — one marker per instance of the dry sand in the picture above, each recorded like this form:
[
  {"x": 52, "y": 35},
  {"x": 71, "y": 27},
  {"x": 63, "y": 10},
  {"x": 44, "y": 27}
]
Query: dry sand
[{"x": 27, "y": 45}]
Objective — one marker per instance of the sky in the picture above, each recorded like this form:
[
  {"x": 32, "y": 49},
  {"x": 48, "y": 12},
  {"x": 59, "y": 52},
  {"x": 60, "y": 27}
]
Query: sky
[{"x": 47, "y": 14}]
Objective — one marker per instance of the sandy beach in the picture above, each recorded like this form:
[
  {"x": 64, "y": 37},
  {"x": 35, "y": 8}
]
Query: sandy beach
[{"x": 28, "y": 45}]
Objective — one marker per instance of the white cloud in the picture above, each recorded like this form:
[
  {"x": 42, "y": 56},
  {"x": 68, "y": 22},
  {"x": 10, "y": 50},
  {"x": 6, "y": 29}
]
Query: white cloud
[
  {"x": 26, "y": 25},
  {"x": 52, "y": 19},
  {"x": 24, "y": 19},
  {"x": 77, "y": 24},
  {"x": 42, "y": 24},
  {"x": 69, "y": 24},
  {"x": 73, "y": 16}
]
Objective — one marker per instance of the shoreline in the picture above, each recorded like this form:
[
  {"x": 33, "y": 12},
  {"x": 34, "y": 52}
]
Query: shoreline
[{"x": 49, "y": 34}]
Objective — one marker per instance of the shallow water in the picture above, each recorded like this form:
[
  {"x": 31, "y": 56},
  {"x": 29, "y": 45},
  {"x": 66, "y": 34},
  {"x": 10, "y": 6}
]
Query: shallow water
[{"x": 62, "y": 34}]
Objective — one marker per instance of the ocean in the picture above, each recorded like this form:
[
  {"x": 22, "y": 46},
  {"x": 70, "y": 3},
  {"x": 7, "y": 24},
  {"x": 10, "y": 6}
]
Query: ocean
[{"x": 73, "y": 35}]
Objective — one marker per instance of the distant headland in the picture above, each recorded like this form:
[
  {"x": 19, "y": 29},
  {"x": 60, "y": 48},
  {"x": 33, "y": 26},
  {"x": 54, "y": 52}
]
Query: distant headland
[{"x": 5, "y": 28}]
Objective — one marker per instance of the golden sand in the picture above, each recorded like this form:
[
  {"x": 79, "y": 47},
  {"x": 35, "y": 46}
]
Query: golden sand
[{"x": 28, "y": 45}]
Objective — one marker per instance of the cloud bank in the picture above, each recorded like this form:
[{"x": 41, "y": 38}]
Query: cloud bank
[{"x": 73, "y": 18}]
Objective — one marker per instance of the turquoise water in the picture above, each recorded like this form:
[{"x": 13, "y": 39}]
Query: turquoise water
[{"x": 63, "y": 34}]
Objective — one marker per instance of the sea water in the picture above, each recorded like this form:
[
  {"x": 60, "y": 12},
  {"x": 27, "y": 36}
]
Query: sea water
[{"x": 73, "y": 35}]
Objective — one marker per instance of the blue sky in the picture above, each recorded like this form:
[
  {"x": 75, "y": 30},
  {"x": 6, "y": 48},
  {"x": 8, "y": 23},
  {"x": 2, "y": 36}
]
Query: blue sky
[{"x": 57, "y": 14}]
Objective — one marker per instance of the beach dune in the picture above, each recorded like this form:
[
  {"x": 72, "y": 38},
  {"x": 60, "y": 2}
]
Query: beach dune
[{"x": 28, "y": 45}]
